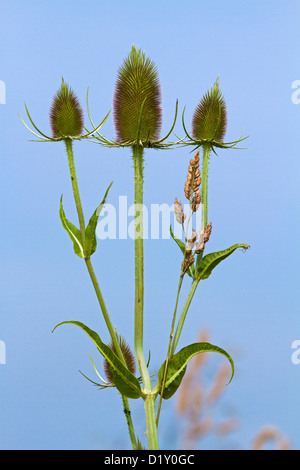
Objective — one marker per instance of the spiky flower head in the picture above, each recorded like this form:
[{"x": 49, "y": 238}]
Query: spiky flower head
[
  {"x": 137, "y": 100},
  {"x": 66, "y": 116},
  {"x": 210, "y": 116},
  {"x": 128, "y": 356}
]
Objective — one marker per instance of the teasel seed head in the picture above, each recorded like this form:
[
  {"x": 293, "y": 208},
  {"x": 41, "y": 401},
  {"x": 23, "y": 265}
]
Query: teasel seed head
[
  {"x": 137, "y": 88},
  {"x": 128, "y": 356},
  {"x": 210, "y": 116},
  {"x": 66, "y": 115}
]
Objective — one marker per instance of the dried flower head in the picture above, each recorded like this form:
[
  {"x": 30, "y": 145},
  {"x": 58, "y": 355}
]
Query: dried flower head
[
  {"x": 66, "y": 116},
  {"x": 191, "y": 242},
  {"x": 187, "y": 262},
  {"x": 210, "y": 117},
  {"x": 128, "y": 356},
  {"x": 204, "y": 237},
  {"x": 193, "y": 181},
  {"x": 137, "y": 100},
  {"x": 180, "y": 216}
]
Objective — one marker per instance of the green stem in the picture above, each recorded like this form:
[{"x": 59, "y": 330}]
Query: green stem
[
  {"x": 127, "y": 413},
  {"x": 204, "y": 187},
  {"x": 149, "y": 401},
  {"x": 183, "y": 314},
  {"x": 95, "y": 283},
  {"x": 169, "y": 349},
  {"x": 69, "y": 148},
  {"x": 103, "y": 308}
]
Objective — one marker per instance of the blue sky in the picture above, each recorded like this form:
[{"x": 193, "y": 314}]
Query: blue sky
[{"x": 251, "y": 302}]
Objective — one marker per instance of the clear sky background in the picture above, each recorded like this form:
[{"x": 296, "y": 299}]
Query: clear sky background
[{"x": 251, "y": 302}]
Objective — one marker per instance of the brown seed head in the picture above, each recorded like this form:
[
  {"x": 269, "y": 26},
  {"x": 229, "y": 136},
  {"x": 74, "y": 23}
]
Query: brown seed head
[
  {"x": 193, "y": 179},
  {"x": 180, "y": 216},
  {"x": 196, "y": 201},
  {"x": 188, "y": 261},
  {"x": 204, "y": 237},
  {"x": 207, "y": 232},
  {"x": 128, "y": 356}
]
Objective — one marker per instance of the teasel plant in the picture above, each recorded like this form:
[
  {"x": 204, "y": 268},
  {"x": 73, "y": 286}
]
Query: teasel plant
[
  {"x": 208, "y": 130},
  {"x": 137, "y": 115},
  {"x": 66, "y": 121},
  {"x": 209, "y": 125}
]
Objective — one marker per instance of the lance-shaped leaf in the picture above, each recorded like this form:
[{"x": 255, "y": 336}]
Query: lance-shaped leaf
[
  {"x": 191, "y": 269},
  {"x": 124, "y": 380},
  {"x": 209, "y": 262},
  {"x": 90, "y": 231},
  {"x": 73, "y": 231},
  {"x": 178, "y": 363}
]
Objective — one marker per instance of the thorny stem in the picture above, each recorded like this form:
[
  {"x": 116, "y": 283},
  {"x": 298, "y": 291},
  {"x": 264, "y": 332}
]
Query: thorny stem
[
  {"x": 69, "y": 148},
  {"x": 95, "y": 283},
  {"x": 183, "y": 314},
  {"x": 169, "y": 349},
  {"x": 149, "y": 400},
  {"x": 206, "y": 154}
]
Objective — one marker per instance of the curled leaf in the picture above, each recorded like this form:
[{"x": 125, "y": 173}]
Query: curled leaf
[
  {"x": 178, "y": 363},
  {"x": 126, "y": 383},
  {"x": 206, "y": 265}
]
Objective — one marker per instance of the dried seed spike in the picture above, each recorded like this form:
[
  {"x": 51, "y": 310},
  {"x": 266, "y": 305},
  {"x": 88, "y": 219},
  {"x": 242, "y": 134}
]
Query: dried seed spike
[
  {"x": 197, "y": 157},
  {"x": 193, "y": 179},
  {"x": 199, "y": 247},
  {"x": 193, "y": 237},
  {"x": 191, "y": 242},
  {"x": 196, "y": 201},
  {"x": 187, "y": 190},
  {"x": 188, "y": 261},
  {"x": 204, "y": 237},
  {"x": 207, "y": 232},
  {"x": 180, "y": 216}
]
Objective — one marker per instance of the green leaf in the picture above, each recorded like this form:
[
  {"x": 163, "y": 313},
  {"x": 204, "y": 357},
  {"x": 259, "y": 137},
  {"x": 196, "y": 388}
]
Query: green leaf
[
  {"x": 125, "y": 381},
  {"x": 178, "y": 363},
  {"x": 73, "y": 232},
  {"x": 210, "y": 261},
  {"x": 191, "y": 269},
  {"x": 90, "y": 231}
]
